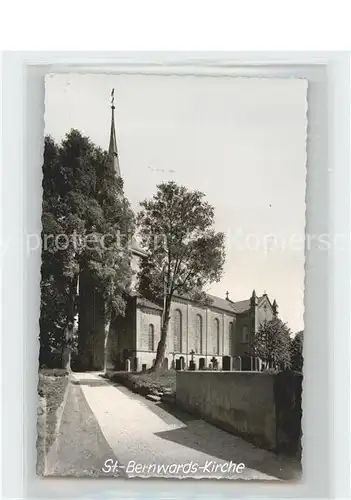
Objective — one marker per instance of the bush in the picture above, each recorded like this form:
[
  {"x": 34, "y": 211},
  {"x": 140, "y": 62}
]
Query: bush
[
  {"x": 53, "y": 372},
  {"x": 144, "y": 383}
]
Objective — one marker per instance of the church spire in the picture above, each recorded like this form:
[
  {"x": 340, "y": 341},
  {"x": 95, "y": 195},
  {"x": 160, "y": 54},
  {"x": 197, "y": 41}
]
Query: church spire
[{"x": 112, "y": 149}]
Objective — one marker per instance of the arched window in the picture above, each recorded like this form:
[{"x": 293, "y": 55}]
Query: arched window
[
  {"x": 230, "y": 338},
  {"x": 199, "y": 347},
  {"x": 177, "y": 333},
  {"x": 216, "y": 336},
  {"x": 151, "y": 338},
  {"x": 245, "y": 334}
]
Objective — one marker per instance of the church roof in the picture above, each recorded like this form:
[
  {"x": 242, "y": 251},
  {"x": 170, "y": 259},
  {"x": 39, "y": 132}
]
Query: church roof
[
  {"x": 238, "y": 307},
  {"x": 144, "y": 302},
  {"x": 225, "y": 304},
  {"x": 220, "y": 303},
  {"x": 241, "y": 306}
]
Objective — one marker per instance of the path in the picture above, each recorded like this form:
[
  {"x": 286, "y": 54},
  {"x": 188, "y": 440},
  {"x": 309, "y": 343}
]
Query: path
[{"x": 106, "y": 425}]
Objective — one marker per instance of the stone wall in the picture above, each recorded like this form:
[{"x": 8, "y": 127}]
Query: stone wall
[{"x": 251, "y": 404}]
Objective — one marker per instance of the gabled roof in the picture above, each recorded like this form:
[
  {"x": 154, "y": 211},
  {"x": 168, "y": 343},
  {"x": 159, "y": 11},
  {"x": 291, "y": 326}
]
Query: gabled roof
[
  {"x": 144, "y": 302},
  {"x": 261, "y": 299},
  {"x": 219, "y": 303},
  {"x": 223, "y": 304},
  {"x": 241, "y": 306}
]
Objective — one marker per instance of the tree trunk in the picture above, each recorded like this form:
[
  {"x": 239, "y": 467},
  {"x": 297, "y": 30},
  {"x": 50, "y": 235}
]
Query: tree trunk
[
  {"x": 67, "y": 355},
  {"x": 161, "y": 348},
  {"x": 107, "y": 339},
  {"x": 71, "y": 307}
]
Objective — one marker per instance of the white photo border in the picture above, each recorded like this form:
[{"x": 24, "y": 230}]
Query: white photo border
[{"x": 326, "y": 389}]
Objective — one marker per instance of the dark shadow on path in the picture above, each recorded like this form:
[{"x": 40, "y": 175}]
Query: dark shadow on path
[
  {"x": 80, "y": 448},
  {"x": 206, "y": 438}
]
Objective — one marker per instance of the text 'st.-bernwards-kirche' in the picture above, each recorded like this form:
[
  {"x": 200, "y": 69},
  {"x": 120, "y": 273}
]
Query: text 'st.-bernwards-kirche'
[{"x": 203, "y": 332}]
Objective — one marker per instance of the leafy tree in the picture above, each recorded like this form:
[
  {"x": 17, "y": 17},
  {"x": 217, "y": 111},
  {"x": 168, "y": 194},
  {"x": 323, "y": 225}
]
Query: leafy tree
[
  {"x": 272, "y": 344},
  {"x": 53, "y": 281},
  {"x": 296, "y": 352},
  {"x": 184, "y": 253},
  {"x": 84, "y": 211}
]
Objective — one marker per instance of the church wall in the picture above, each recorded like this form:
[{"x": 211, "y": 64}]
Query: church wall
[
  {"x": 123, "y": 341},
  {"x": 214, "y": 318},
  {"x": 184, "y": 318},
  {"x": 242, "y": 321},
  {"x": 145, "y": 318},
  {"x": 181, "y": 306},
  {"x": 187, "y": 323},
  {"x": 229, "y": 335}
]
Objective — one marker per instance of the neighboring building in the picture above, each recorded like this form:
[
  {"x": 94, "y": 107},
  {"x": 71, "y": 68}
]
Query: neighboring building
[{"x": 204, "y": 332}]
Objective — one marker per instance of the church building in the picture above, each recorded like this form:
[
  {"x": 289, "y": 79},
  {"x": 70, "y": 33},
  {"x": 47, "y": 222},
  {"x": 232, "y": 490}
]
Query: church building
[
  {"x": 211, "y": 333},
  {"x": 204, "y": 333}
]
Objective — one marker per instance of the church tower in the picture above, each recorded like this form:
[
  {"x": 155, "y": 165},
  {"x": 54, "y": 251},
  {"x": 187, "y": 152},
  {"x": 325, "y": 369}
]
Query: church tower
[
  {"x": 91, "y": 305},
  {"x": 91, "y": 330},
  {"x": 112, "y": 149}
]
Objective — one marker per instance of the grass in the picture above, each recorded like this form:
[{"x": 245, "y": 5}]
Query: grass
[
  {"x": 144, "y": 382},
  {"x": 53, "y": 372},
  {"x": 52, "y": 386}
]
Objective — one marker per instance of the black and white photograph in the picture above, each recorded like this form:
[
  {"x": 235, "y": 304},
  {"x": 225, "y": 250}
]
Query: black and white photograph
[{"x": 172, "y": 277}]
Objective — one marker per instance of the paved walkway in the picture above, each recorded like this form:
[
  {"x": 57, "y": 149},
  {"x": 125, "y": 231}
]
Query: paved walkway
[{"x": 108, "y": 430}]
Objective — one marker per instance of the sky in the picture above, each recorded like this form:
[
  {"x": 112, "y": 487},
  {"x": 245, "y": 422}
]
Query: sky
[{"x": 241, "y": 141}]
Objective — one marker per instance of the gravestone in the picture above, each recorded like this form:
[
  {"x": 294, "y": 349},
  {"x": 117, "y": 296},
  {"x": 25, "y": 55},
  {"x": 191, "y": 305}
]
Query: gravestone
[
  {"x": 214, "y": 363},
  {"x": 127, "y": 365},
  {"x": 246, "y": 363},
  {"x": 192, "y": 365},
  {"x": 201, "y": 363},
  {"x": 165, "y": 364},
  {"x": 237, "y": 363},
  {"x": 182, "y": 363},
  {"x": 226, "y": 363}
]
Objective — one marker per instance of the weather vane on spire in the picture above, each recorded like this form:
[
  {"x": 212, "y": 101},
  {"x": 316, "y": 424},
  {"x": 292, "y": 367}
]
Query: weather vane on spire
[{"x": 113, "y": 98}]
